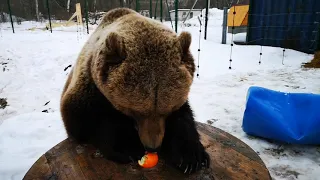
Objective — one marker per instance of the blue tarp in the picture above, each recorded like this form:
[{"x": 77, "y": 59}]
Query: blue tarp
[{"x": 286, "y": 117}]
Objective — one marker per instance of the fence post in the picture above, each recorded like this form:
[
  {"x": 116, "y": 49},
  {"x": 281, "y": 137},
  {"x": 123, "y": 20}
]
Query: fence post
[
  {"x": 86, "y": 11},
  {"x": 137, "y": 5},
  {"x": 161, "y": 10},
  {"x": 206, "y": 20},
  {"x": 176, "y": 14},
  {"x": 48, "y": 8},
  {"x": 9, "y": 7},
  {"x": 224, "y": 25},
  {"x": 155, "y": 10},
  {"x": 150, "y": 6}
]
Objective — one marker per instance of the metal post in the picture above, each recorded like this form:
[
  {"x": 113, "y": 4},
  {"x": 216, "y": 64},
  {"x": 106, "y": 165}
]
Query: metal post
[
  {"x": 150, "y": 3},
  {"x": 206, "y": 20},
  {"x": 86, "y": 11},
  {"x": 176, "y": 14},
  {"x": 9, "y": 7},
  {"x": 155, "y": 10},
  {"x": 224, "y": 25},
  {"x": 49, "y": 14},
  {"x": 137, "y": 5},
  {"x": 161, "y": 10}
]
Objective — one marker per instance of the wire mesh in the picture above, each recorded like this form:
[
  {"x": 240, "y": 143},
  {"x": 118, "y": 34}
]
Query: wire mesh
[
  {"x": 297, "y": 30},
  {"x": 299, "y": 35},
  {"x": 287, "y": 24}
]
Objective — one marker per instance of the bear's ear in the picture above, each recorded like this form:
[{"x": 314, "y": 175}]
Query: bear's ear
[
  {"x": 115, "y": 45},
  {"x": 115, "y": 14},
  {"x": 185, "y": 41}
]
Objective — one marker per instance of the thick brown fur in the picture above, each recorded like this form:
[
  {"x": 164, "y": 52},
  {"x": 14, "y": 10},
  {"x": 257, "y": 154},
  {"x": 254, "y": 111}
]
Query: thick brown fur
[{"x": 134, "y": 72}]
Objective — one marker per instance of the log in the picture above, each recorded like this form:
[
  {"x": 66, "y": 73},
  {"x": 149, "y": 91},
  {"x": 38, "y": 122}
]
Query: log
[{"x": 230, "y": 159}]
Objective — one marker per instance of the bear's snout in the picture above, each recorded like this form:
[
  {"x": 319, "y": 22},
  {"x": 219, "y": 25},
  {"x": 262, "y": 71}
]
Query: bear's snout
[
  {"x": 151, "y": 150},
  {"x": 151, "y": 132}
]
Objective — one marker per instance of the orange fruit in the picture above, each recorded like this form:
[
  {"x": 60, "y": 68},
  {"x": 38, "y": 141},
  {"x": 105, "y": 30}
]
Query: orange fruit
[{"x": 149, "y": 160}]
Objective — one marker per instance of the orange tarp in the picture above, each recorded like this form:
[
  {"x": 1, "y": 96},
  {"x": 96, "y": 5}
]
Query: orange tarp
[{"x": 241, "y": 16}]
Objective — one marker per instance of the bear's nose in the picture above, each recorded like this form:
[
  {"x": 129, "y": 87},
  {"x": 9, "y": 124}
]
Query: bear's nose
[{"x": 152, "y": 150}]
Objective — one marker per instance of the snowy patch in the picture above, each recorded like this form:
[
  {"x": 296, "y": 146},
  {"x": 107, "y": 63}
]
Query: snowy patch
[
  {"x": 24, "y": 138},
  {"x": 240, "y": 37}
]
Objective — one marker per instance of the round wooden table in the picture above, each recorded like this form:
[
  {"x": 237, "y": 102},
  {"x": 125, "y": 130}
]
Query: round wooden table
[{"x": 230, "y": 159}]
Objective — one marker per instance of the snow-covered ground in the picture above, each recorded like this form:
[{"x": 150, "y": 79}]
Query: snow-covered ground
[{"x": 33, "y": 63}]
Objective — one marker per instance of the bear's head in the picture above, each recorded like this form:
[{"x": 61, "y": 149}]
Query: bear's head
[{"x": 145, "y": 70}]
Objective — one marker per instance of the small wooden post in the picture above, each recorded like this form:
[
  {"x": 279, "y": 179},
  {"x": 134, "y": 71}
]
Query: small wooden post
[{"x": 78, "y": 14}]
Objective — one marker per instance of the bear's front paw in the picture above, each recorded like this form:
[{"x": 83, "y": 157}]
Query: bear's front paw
[
  {"x": 190, "y": 157},
  {"x": 122, "y": 158}
]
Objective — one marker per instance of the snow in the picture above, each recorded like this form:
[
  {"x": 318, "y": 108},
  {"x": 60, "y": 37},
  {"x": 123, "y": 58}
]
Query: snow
[
  {"x": 20, "y": 148},
  {"x": 240, "y": 37},
  {"x": 32, "y": 75}
]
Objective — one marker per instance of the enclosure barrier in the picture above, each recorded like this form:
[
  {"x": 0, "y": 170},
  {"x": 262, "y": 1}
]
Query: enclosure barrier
[
  {"x": 56, "y": 14},
  {"x": 293, "y": 24},
  {"x": 289, "y": 26}
]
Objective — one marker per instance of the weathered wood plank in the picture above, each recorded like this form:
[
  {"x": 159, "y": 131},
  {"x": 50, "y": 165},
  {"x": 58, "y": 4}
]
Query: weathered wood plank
[
  {"x": 40, "y": 170},
  {"x": 62, "y": 164},
  {"x": 229, "y": 141},
  {"x": 230, "y": 159}
]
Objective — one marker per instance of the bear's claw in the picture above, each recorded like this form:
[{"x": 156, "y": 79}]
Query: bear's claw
[{"x": 192, "y": 160}]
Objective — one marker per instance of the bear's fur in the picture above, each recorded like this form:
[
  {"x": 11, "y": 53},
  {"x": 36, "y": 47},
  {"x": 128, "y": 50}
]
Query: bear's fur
[{"x": 128, "y": 92}]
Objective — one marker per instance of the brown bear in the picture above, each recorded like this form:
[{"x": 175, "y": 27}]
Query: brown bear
[{"x": 128, "y": 93}]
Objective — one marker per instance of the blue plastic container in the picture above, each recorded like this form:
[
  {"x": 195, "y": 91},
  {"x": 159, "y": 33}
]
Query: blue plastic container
[{"x": 286, "y": 117}]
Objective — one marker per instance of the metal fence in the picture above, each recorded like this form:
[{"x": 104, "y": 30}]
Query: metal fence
[
  {"x": 290, "y": 24},
  {"x": 54, "y": 13},
  {"x": 293, "y": 24}
]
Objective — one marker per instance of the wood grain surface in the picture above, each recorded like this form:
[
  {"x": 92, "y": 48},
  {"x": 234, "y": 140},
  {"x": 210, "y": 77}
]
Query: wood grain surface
[{"x": 230, "y": 159}]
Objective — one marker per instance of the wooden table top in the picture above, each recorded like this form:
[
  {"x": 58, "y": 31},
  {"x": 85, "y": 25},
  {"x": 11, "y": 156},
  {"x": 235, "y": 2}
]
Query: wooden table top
[{"x": 230, "y": 159}]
